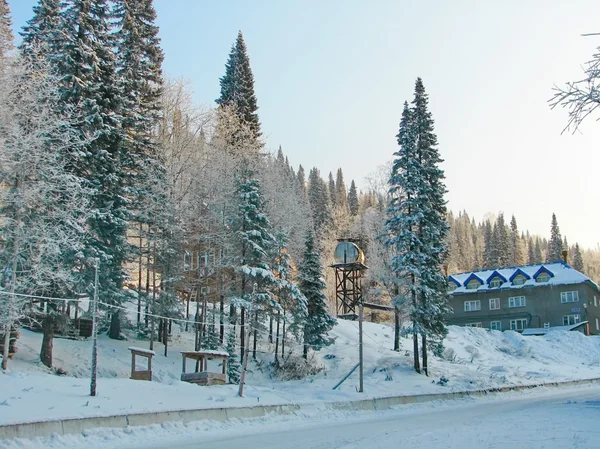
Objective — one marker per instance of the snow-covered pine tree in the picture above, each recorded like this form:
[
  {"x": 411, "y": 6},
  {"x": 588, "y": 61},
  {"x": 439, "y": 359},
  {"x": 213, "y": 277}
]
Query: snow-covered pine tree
[
  {"x": 39, "y": 33},
  {"x": 402, "y": 224},
  {"x": 353, "y": 199},
  {"x": 502, "y": 242},
  {"x": 320, "y": 204},
  {"x": 490, "y": 251},
  {"x": 237, "y": 86},
  {"x": 332, "y": 192},
  {"x": 254, "y": 243},
  {"x": 301, "y": 175},
  {"x": 85, "y": 63},
  {"x": 340, "y": 191},
  {"x": 537, "y": 251},
  {"x": 578, "y": 259},
  {"x": 318, "y": 320},
  {"x": 516, "y": 251},
  {"x": 530, "y": 251},
  {"x": 433, "y": 228},
  {"x": 555, "y": 244}
]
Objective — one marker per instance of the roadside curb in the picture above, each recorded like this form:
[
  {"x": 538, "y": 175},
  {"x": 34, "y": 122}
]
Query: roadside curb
[{"x": 80, "y": 425}]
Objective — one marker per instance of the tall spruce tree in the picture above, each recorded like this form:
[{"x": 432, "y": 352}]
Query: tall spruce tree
[
  {"x": 537, "y": 251},
  {"x": 318, "y": 321},
  {"x": 530, "y": 251},
  {"x": 433, "y": 228},
  {"x": 301, "y": 175},
  {"x": 237, "y": 86},
  {"x": 516, "y": 251},
  {"x": 353, "y": 199},
  {"x": 555, "y": 244},
  {"x": 39, "y": 35},
  {"x": 490, "y": 252},
  {"x": 318, "y": 196},
  {"x": 578, "y": 259},
  {"x": 332, "y": 192},
  {"x": 85, "y": 63},
  {"x": 340, "y": 191},
  {"x": 502, "y": 242}
]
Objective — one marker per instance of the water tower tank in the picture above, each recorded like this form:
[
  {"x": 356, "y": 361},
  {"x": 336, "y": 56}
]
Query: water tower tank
[{"x": 348, "y": 252}]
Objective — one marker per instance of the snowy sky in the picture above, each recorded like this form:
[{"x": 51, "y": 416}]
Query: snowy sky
[{"x": 331, "y": 78}]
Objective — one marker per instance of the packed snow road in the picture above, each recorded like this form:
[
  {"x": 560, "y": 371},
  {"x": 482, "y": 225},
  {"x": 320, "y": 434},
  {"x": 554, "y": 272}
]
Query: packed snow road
[{"x": 551, "y": 419}]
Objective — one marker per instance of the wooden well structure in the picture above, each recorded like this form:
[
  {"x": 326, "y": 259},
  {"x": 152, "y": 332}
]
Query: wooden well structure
[
  {"x": 141, "y": 374},
  {"x": 349, "y": 270},
  {"x": 201, "y": 375}
]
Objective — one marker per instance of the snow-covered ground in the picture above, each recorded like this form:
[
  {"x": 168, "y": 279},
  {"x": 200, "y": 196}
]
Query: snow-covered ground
[
  {"x": 557, "y": 418},
  {"x": 29, "y": 392}
]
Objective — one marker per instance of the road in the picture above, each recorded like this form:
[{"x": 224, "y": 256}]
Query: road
[{"x": 552, "y": 419}]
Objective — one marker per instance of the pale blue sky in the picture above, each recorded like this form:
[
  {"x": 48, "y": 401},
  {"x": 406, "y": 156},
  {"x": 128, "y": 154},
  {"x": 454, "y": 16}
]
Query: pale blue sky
[{"x": 331, "y": 77}]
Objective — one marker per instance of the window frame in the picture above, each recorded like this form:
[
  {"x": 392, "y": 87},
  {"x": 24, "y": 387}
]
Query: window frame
[
  {"x": 564, "y": 297},
  {"x": 496, "y": 280},
  {"x": 495, "y": 300},
  {"x": 514, "y": 327},
  {"x": 576, "y": 319},
  {"x": 477, "y": 303},
  {"x": 520, "y": 278},
  {"x": 512, "y": 300},
  {"x": 499, "y": 326},
  {"x": 543, "y": 275},
  {"x": 472, "y": 282},
  {"x": 478, "y": 324}
]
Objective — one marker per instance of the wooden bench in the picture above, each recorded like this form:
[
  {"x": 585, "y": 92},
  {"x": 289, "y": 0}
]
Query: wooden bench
[{"x": 201, "y": 375}]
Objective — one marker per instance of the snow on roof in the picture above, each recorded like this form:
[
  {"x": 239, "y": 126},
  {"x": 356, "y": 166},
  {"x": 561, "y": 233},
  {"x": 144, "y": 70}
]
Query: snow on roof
[
  {"x": 141, "y": 350},
  {"x": 544, "y": 330},
  {"x": 560, "y": 274}
]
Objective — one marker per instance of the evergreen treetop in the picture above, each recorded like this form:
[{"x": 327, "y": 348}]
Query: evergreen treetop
[
  {"x": 555, "y": 244},
  {"x": 353, "y": 199},
  {"x": 6, "y": 33},
  {"x": 237, "y": 86}
]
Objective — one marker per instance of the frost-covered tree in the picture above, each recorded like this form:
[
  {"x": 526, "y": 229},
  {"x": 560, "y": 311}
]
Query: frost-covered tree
[
  {"x": 530, "y": 251},
  {"x": 320, "y": 203},
  {"x": 301, "y": 175},
  {"x": 353, "y": 199},
  {"x": 578, "y": 259},
  {"x": 340, "y": 191},
  {"x": 502, "y": 238},
  {"x": 490, "y": 252},
  {"x": 44, "y": 205},
  {"x": 237, "y": 86},
  {"x": 537, "y": 251},
  {"x": 233, "y": 363},
  {"x": 6, "y": 33},
  {"x": 332, "y": 191},
  {"x": 555, "y": 244},
  {"x": 318, "y": 321},
  {"x": 516, "y": 251}
]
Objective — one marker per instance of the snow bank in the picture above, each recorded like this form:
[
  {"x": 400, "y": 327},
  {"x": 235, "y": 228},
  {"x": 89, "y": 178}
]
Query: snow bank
[{"x": 477, "y": 358}]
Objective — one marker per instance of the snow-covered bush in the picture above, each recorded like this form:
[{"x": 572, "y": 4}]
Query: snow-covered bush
[{"x": 295, "y": 367}]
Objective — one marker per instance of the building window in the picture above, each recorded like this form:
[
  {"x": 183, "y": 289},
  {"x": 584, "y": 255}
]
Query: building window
[
  {"x": 474, "y": 325},
  {"x": 473, "y": 284},
  {"x": 519, "y": 280},
  {"x": 472, "y": 306},
  {"x": 496, "y": 282},
  {"x": 518, "y": 324},
  {"x": 569, "y": 297},
  {"x": 543, "y": 277},
  {"x": 496, "y": 325},
  {"x": 516, "y": 301},
  {"x": 570, "y": 319},
  {"x": 495, "y": 304}
]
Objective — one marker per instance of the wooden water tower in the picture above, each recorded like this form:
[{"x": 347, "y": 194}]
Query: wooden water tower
[{"x": 349, "y": 268}]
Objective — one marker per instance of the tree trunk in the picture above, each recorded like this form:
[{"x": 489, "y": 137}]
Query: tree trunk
[
  {"x": 47, "y": 340},
  {"x": 270, "y": 328},
  {"x": 396, "y": 329},
  {"x": 305, "y": 351},
  {"x": 6, "y": 345},
  {"x": 139, "y": 299},
  {"x": 277, "y": 338},
  {"x": 416, "y": 347},
  {"x": 222, "y": 320},
  {"x": 159, "y": 336},
  {"x": 255, "y": 337},
  {"x": 424, "y": 349},
  {"x": 283, "y": 337},
  {"x": 166, "y": 336},
  {"x": 242, "y": 332},
  {"x": 115, "y": 326}
]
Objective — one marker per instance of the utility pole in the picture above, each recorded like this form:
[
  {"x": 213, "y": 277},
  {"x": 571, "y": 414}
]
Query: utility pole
[
  {"x": 360, "y": 345},
  {"x": 94, "y": 335}
]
